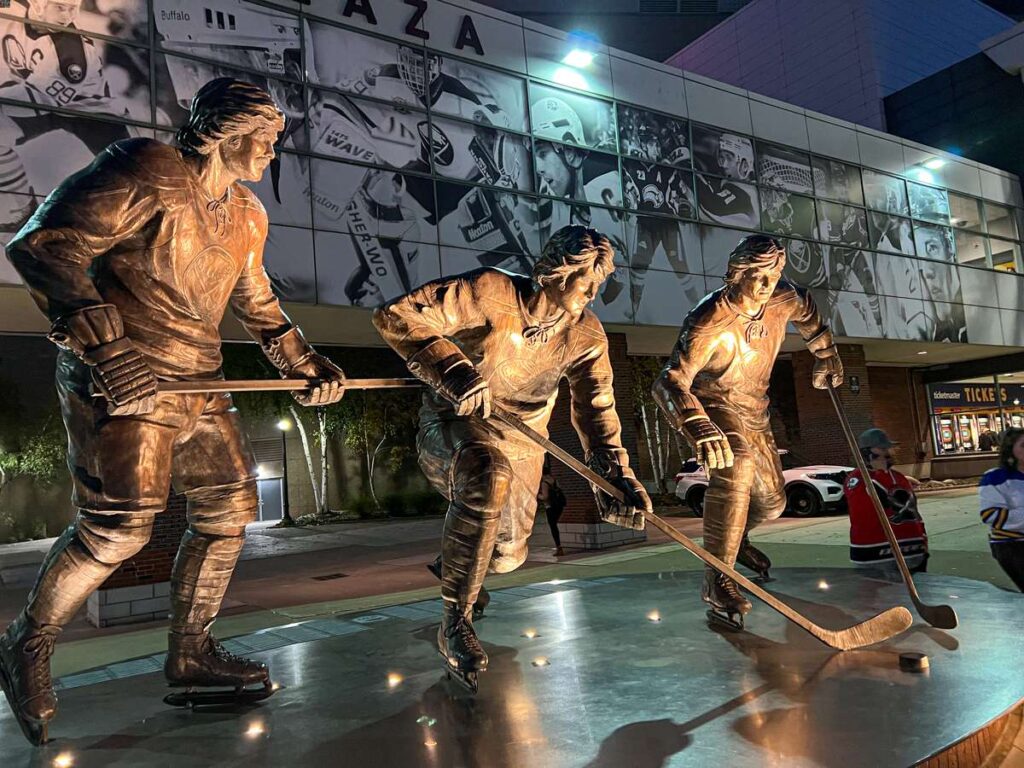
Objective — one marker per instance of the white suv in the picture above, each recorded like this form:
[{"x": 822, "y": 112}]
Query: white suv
[{"x": 809, "y": 489}]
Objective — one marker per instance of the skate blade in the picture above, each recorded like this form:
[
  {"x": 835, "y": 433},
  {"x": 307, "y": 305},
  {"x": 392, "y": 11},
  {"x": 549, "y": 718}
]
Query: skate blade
[
  {"x": 36, "y": 733},
  {"x": 195, "y": 699},
  {"x": 726, "y": 621},
  {"x": 468, "y": 680}
]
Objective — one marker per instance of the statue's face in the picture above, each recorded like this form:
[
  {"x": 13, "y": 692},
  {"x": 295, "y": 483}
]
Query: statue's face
[
  {"x": 757, "y": 284},
  {"x": 580, "y": 289},
  {"x": 248, "y": 156}
]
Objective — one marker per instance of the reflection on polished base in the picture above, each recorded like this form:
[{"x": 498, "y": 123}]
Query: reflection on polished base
[{"x": 602, "y": 673}]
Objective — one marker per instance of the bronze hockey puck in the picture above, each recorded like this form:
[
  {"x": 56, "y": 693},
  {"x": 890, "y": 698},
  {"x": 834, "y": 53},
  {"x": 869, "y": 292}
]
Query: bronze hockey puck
[{"x": 913, "y": 662}]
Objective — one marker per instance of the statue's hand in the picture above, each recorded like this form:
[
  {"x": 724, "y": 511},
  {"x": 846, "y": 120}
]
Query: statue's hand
[
  {"x": 710, "y": 442},
  {"x": 123, "y": 377}
]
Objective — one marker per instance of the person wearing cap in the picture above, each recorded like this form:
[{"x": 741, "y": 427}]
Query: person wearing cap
[
  {"x": 869, "y": 546},
  {"x": 714, "y": 390}
]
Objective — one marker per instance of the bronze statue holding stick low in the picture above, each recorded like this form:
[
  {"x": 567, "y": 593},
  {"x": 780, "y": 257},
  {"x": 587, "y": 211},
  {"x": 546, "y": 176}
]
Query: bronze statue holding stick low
[{"x": 486, "y": 337}]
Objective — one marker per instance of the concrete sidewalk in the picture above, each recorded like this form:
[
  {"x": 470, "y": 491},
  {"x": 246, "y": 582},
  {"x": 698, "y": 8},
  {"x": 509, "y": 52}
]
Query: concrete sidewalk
[{"x": 292, "y": 574}]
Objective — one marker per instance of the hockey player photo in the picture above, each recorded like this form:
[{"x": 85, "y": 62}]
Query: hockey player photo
[
  {"x": 501, "y": 227},
  {"x": 725, "y": 202},
  {"x": 353, "y": 129},
  {"x": 479, "y": 153},
  {"x": 663, "y": 244},
  {"x": 495, "y": 94},
  {"x": 853, "y": 314},
  {"x": 561, "y": 116},
  {"x": 234, "y": 32},
  {"x": 723, "y": 160},
  {"x": 178, "y": 79},
  {"x": 885, "y": 193},
  {"x": 53, "y": 66},
  {"x": 836, "y": 180},
  {"x": 360, "y": 270},
  {"x": 851, "y": 271},
  {"x": 387, "y": 228},
  {"x": 49, "y": 68},
  {"x": 787, "y": 214},
  {"x": 285, "y": 189},
  {"x": 806, "y": 266},
  {"x": 651, "y": 188},
  {"x": 934, "y": 242},
  {"x": 943, "y": 302},
  {"x": 367, "y": 66},
  {"x": 127, "y": 19},
  {"x": 903, "y": 312},
  {"x": 889, "y": 233},
  {"x": 721, "y": 153},
  {"x": 842, "y": 224},
  {"x": 574, "y": 173},
  {"x": 783, "y": 168},
  {"x": 288, "y": 259},
  {"x": 653, "y": 137},
  {"x": 928, "y": 203}
]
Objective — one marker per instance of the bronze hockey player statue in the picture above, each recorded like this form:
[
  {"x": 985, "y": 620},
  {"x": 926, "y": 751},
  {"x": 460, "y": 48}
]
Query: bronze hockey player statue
[
  {"x": 715, "y": 391},
  {"x": 486, "y": 337},
  {"x": 135, "y": 259}
]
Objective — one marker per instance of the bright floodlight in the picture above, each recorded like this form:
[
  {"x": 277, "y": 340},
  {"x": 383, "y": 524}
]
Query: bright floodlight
[
  {"x": 569, "y": 77},
  {"x": 578, "y": 57},
  {"x": 935, "y": 163},
  {"x": 284, "y": 425},
  {"x": 925, "y": 176}
]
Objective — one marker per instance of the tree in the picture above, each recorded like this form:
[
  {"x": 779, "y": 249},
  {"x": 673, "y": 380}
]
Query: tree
[
  {"x": 380, "y": 423},
  {"x": 247, "y": 362},
  {"x": 33, "y": 445},
  {"x": 655, "y": 429}
]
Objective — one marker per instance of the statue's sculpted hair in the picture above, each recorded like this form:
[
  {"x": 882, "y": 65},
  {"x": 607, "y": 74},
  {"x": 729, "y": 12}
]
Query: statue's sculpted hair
[
  {"x": 224, "y": 108},
  {"x": 571, "y": 249},
  {"x": 755, "y": 251}
]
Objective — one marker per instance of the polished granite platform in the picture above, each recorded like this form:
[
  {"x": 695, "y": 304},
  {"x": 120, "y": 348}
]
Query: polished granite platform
[{"x": 580, "y": 676}]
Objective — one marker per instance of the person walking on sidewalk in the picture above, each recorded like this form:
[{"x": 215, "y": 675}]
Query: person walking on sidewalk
[
  {"x": 869, "y": 546},
  {"x": 553, "y": 499},
  {"x": 1002, "y": 506}
]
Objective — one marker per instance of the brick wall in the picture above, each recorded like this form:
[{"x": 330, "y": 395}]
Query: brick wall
[
  {"x": 821, "y": 439},
  {"x": 581, "y": 507},
  {"x": 153, "y": 564},
  {"x": 897, "y": 408}
]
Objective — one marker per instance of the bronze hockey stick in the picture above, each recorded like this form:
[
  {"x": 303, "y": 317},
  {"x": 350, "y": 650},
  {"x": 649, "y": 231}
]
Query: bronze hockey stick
[
  {"x": 876, "y": 629},
  {"x": 198, "y": 387},
  {"x": 941, "y": 616}
]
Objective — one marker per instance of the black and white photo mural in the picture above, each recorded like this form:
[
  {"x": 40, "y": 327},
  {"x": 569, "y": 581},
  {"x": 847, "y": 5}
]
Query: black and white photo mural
[{"x": 404, "y": 158}]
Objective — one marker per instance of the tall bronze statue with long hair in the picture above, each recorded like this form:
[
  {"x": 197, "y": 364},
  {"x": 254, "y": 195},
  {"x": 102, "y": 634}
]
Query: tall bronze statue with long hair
[
  {"x": 134, "y": 260},
  {"x": 715, "y": 391},
  {"x": 492, "y": 337}
]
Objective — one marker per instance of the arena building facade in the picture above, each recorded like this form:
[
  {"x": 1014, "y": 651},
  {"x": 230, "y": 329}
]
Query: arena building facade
[{"x": 427, "y": 137}]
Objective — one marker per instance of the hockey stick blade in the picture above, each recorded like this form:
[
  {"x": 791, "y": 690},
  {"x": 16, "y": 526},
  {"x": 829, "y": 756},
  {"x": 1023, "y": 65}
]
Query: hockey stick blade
[
  {"x": 876, "y": 629},
  {"x": 885, "y": 625},
  {"x": 939, "y": 616}
]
